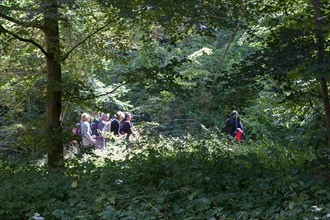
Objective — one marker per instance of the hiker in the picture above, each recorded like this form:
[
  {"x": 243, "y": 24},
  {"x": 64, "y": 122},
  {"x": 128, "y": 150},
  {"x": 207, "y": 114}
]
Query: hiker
[
  {"x": 115, "y": 122},
  {"x": 234, "y": 126},
  {"x": 111, "y": 130},
  {"x": 103, "y": 122},
  {"x": 95, "y": 123},
  {"x": 86, "y": 132},
  {"x": 126, "y": 126}
]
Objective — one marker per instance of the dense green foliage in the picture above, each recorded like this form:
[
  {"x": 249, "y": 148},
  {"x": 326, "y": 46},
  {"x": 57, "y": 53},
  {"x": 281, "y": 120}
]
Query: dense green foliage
[
  {"x": 176, "y": 178},
  {"x": 180, "y": 67}
]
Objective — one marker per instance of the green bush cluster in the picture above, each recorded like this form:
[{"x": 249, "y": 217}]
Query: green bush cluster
[{"x": 168, "y": 178}]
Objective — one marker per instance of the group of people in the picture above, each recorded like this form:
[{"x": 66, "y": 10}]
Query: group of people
[{"x": 102, "y": 130}]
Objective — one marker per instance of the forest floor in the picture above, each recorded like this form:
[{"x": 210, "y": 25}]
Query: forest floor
[{"x": 169, "y": 178}]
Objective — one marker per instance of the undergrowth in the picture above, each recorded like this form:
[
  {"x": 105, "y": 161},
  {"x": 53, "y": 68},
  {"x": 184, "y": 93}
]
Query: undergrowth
[{"x": 169, "y": 178}]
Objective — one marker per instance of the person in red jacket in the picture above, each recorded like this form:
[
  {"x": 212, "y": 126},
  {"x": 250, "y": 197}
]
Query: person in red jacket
[{"x": 234, "y": 126}]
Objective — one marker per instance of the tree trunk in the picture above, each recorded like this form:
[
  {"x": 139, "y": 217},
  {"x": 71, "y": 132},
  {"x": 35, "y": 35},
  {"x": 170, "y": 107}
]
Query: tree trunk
[
  {"x": 53, "y": 98},
  {"x": 320, "y": 61}
]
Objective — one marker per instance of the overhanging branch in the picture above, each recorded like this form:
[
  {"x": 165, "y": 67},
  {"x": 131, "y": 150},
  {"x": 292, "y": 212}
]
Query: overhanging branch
[
  {"x": 13, "y": 8},
  {"x": 18, "y": 22},
  {"x": 96, "y": 96},
  {"x": 2, "y": 29},
  {"x": 231, "y": 40},
  {"x": 312, "y": 106},
  {"x": 85, "y": 39}
]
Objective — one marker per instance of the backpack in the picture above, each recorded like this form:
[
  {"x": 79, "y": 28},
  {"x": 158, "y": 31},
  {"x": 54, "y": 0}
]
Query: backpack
[
  {"x": 76, "y": 129},
  {"x": 239, "y": 134},
  {"x": 95, "y": 126}
]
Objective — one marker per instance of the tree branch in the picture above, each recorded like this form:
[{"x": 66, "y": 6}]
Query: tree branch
[
  {"x": 9, "y": 149},
  {"x": 84, "y": 40},
  {"x": 10, "y": 19},
  {"x": 18, "y": 22},
  {"x": 2, "y": 29},
  {"x": 11, "y": 8},
  {"x": 96, "y": 96},
  {"x": 231, "y": 39},
  {"x": 323, "y": 17},
  {"x": 312, "y": 106},
  {"x": 154, "y": 208}
]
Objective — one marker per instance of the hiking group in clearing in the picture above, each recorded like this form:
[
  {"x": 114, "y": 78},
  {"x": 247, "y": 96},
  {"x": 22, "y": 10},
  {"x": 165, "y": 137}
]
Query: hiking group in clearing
[{"x": 102, "y": 130}]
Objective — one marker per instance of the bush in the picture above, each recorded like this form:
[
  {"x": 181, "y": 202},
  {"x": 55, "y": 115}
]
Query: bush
[{"x": 167, "y": 178}]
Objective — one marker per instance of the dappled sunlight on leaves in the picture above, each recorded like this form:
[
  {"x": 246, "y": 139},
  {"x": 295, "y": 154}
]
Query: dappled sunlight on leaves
[{"x": 167, "y": 178}]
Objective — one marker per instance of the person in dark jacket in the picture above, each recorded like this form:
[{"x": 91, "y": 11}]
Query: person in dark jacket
[
  {"x": 115, "y": 123},
  {"x": 234, "y": 126},
  {"x": 126, "y": 126}
]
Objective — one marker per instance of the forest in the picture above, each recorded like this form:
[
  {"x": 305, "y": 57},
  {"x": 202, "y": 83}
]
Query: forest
[{"x": 180, "y": 68}]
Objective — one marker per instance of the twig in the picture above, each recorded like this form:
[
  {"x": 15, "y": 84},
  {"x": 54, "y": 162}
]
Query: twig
[
  {"x": 84, "y": 40},
  {"x": 312, "y": 106},
  {"x": 97, "y": 96},
  {"x": 153, "y": 207},
  {"x": 231, "y": 40}
]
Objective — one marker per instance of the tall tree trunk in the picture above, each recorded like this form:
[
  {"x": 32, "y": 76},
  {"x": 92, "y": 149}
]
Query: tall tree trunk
[
  {"x": 320, "y": 61},
  {"x": 53, "y": 102},
  {"x": 325, "y": 99}
]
